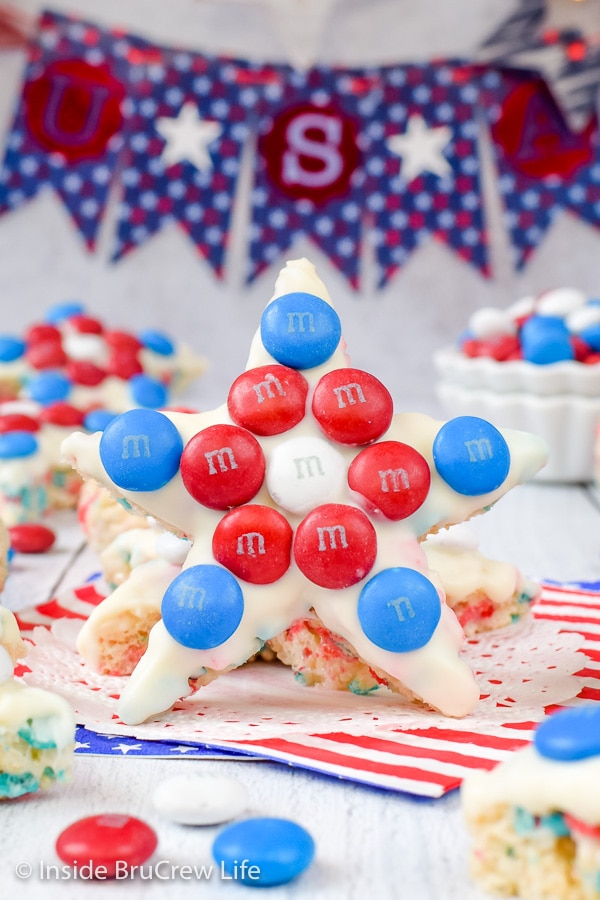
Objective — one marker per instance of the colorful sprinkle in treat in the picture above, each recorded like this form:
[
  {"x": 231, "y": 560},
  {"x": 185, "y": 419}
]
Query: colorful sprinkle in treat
[
  {"x": 195, "y": 800},
  {"x": 316, "y": 505},
  {"x": 111, "y": 844},
  {"x": 535, "y": 819},
  {"x": 264, "y": 852}
]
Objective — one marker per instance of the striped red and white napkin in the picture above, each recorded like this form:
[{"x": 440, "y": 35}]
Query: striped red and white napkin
[{"x": 363, "y": 739}]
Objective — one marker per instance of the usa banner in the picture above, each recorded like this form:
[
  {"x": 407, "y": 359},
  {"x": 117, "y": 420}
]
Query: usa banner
[
  {"x": 544, "y": 167},
  {"x": 191, "y": 118},
  {"x": 69, "y": 126},
  {"x": 423, "y": 165},
  {"x": 309, "y": 177}
]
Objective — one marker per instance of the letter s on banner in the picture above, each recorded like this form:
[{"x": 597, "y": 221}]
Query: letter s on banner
[{"x": 311, "y": 152}]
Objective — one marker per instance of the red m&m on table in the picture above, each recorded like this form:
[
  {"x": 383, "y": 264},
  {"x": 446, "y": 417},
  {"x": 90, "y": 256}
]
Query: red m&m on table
[
  {"x": 30, "y": 537},
  {"x": 108, "y": 845}
]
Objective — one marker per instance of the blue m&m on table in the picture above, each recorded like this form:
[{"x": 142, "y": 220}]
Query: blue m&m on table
[
  {"x": 571, "y": 734},
  {"x": 471, "y": 455},
  {"x": 300, "y": 330},
  {"x": 264, "y": 852}
]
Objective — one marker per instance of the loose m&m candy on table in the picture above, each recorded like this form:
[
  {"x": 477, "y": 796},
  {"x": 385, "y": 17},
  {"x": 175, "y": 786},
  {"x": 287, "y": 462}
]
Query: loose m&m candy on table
[
  {"x": 109, "y": 845},
  {"x": 304, "y": 495}
]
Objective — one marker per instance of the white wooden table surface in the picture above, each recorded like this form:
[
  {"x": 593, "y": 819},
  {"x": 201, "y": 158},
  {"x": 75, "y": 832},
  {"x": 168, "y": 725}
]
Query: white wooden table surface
[{"x": 369, "y": 843}]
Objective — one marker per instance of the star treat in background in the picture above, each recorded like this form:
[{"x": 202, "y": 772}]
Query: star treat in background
[
  {"x": 303, "y": 491},
  {"x": 70, "y": 371}
]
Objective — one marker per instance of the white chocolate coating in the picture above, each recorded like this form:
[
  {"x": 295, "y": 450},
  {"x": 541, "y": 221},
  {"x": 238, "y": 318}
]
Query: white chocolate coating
[
  {"x": 538, "y": 784},
  {"x": 47, "y": 717},
  {"x": 434, "y": 672}
]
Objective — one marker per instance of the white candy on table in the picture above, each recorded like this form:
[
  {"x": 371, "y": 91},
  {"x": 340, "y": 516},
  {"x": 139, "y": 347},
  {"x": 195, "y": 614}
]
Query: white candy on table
[{"x": 200, "y": 800}]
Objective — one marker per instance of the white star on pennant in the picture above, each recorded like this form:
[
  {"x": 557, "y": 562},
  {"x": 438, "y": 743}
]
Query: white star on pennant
[
  {"x": 188, "y": 137},
  {"x": 80, "y": 746},
  {"x": 420, "y": 148}
]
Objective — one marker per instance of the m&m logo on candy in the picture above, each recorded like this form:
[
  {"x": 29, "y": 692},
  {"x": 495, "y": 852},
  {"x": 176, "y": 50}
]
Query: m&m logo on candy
[
  {"x": 254, "y": 542},
  {"x": 300, "y": 330},
  {"x": 393, "y": 477},
  {"x": 268, "y": 400},
  {"x": 399, "y": 609},
  {"x": 471, "y": 455},
  {"x": 141, "y": 450},
  {"x": 335, "y": 546},
  {"x": 352, "y": 406},
  {"x": 223, "y": 466},
  {"x": 202, "y": 607}
]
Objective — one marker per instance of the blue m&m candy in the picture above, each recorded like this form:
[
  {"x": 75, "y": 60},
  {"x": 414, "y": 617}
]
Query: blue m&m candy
[
  {"x": 147, "y": 391},
  {"x": 141, "y": 450},
  {"x": 471, "y": 455},
  {"x": 570, "y": 734},
  {"x": 591, "y": 335},
  {"x": 157, "y": 341},
  {"x": 49, "y": 387},
  {"x": 300, "y": 330},
  {"x": 202, "y": 607},
  {"x": 264, "y": 851},
  {"x": 61, "y": 311},
  {"x": 545, "y": 340},
  {"x": 98, "y": 419},
  {"x": 399, "y": 609},
  {"x": 11, "y": 348},
  {"x": 14, "y": 444}
]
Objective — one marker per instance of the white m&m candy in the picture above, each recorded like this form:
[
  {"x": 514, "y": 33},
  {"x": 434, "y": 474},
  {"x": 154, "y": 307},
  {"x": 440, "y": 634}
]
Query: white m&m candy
[{"x": 194, "y": 800}]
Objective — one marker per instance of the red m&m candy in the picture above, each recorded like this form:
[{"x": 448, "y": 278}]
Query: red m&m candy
[
  {"x": 352, "y": 406},
  {"x": 108, "y": 845},
  {"x": 222, "y": 466},
  {"x": 268, "y": 400},
  {"x": 85, "y": 324},
  {"x": 393, "y": 477},
  {"x": 29, "y": 537},
  {"x": 81, "y": 371},
  {"x": 254, "y": 542},
  {"x": 123, "y": 363},
  {"x": 17, "y": 422},
  {"x": 61, "y": 413},
  {"x": 335, "y": 546},
  {"x": 46, "y": 355}
]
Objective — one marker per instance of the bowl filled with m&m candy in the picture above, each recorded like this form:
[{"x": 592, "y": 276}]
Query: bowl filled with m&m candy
[{"x": 533, "y": 366}]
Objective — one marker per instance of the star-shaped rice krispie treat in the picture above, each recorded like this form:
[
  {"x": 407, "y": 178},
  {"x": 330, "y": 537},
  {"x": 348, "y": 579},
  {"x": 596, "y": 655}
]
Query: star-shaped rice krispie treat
[{"x": 304, "y": 491}]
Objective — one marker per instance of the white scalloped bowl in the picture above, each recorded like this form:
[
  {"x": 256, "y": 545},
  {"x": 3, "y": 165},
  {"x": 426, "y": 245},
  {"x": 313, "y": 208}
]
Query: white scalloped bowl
[
  {"x": 483, "y": 372},
  {"x": 566, "y": 421}
]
